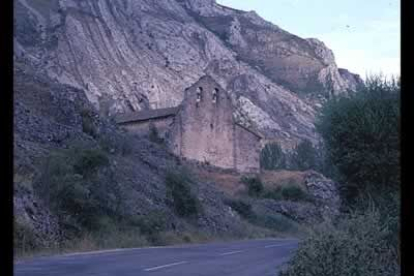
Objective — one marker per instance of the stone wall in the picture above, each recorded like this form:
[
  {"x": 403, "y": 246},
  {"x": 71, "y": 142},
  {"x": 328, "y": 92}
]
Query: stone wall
[
  {"x": 247, "y": 149},
  {"x": 142, "y": 127},
  {"x": 203, "y": 128}
]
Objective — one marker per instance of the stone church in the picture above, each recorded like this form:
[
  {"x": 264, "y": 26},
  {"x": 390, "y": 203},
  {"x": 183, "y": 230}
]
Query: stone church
[{"x": 202, "y": 128}]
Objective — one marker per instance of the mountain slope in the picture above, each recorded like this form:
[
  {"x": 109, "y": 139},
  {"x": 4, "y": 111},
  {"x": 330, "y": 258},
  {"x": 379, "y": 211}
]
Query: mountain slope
[
  {"x": 54, "y": 124},
  {"x": 132, "y": 55}
]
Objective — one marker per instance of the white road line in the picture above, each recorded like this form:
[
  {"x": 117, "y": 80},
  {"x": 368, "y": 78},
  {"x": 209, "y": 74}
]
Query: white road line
[
  {"x": 22, "y": 261},
  {"x": 278, "y": 245},
  {"x": 164, "y": 266},
  {"x": 112, "y": 251},
  {"x": 25, "y": 269},
  {"x": 230, "y": 253},
  {"x": 95, "y": 252}
]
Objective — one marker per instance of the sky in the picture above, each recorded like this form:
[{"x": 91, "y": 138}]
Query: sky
[{"x": 363, "y": 34}]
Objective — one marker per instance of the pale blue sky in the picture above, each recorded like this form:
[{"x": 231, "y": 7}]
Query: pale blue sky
[{"x": 363, "y": 34}]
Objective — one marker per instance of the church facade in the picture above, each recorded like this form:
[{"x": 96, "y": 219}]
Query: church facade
[{"x": 202, "y": 128}]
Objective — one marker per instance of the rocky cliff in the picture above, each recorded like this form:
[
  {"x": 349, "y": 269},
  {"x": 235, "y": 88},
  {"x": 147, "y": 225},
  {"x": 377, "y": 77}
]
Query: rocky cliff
[{"x": 140, "y": 54}]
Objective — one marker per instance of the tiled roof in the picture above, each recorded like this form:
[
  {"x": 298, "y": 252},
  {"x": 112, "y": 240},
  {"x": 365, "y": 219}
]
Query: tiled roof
[
  {"x": 145, "y": 115},
  {"x": 252, "y": 130}
]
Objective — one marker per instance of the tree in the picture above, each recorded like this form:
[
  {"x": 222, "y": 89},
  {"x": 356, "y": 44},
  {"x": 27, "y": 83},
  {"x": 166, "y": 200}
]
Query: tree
[
  {"x": 361, "y": 134},
  {"x": 272, "y": 157},
  {"x": 304, "y": 156}
]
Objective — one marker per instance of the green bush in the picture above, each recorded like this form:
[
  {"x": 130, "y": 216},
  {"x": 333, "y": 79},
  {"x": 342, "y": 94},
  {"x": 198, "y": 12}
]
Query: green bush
[
  {"x": 125, "y": 238},
  {"x": 305, "y": 156},
  {"x": 289, "y": 191},
  {"x": 179, "y": 193},
  {"x": 24, "y": 239},
  {"x": 118, "y": 143},
  {"x": 113, "y": 236},
  {"x": 362, "y": 137},
  {"x": 272, "y": 157},
  {"x": 243, "y": 208},
  {"x": 88, "y": 125},
  {"x": 153, "y": 134},
  {"x": 150, "y": 224},
  {"x": 254, "y": 186},
  {"x": 275, "y": 194},
  {"x": 77, "y": 191},
  {"x": 294, "y": 193},
  {"x": 323, "y": 164},
  {"x": 88, "y": 161},
  {"x": 358, "y": 245},
  {"x": 276, "y": 222},
  {"x": 272, "y": 221}
]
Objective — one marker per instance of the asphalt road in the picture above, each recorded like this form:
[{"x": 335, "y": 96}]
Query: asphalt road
[{"x": 243, "y": 258}]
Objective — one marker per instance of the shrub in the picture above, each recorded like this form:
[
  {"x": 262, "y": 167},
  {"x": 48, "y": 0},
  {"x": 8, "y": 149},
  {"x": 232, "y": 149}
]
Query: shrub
[
  {"x": 76, "y": 191},
  {"x": 88, "y": 161},
  {"x": 275, "y": 194},
  {"x": 88, "y": 125},
  {"x": 361, "y": 134},
  {"x": 277, "y": 222},
  {"x": 323, "y": 164},
  {"x": 121, "y": 239},
  {"x": 358, "y": 245},
  {"x": 24, "y": 239},
  {"x": 272, "y": 157},
  {"x": 151, "y": 223},
  {"x": 273, "y": 221},
  {"x": 288, "y": 191},
  {"x": 121, "y": 144},
  {"x": 111, "y": 238},
  {"x": 180, "y": 195},
  {"x": 114, "y": 233},
  {"x": 174, "y": 237},
  {"x": 243, "y": 208},
  {"x": 304, "y": 156},
  {"x": 294, "y": 193},
  {"x": 153, "y": 135},
  {"x": 127, "y": 144},
  {"x": 254, "y": 185}
]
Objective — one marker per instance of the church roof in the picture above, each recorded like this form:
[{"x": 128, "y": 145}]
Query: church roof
[
  {"x": 252, "y": 130},
  {"x": 145, "y": 115}
]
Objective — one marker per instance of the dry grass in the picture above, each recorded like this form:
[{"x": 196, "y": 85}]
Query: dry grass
[
  {"x": 89, "y": 242},
  {"x": 227, "y": 182},
  {"x": 274, "y": 179},
  {"x": 187, "y": 237},
  {"x": 231, "y": 183}
]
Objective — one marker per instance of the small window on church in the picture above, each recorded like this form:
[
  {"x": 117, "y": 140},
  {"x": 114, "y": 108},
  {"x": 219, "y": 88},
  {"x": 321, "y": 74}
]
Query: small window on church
[
  {"x": 215, "y": 95},
  {"x": 199, "y": 94}
]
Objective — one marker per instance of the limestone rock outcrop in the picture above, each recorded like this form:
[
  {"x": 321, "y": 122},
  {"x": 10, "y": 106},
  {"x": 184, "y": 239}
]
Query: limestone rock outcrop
[
  {"x": 325, "y": 204},
  {"x": 139, "y": 54},
  {"x": 326, "y": 193}
]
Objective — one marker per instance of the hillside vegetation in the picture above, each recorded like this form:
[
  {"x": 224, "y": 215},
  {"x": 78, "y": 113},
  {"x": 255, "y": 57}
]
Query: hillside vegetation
[{"x": 361, "y": 134}]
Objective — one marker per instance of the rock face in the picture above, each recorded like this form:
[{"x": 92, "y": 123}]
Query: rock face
[
  {"x": 137, "y": 54},
  {"x": 325, "y": 202},
  {"x": 326, "y": 193},
  {"x": 301, "y": 212}
]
